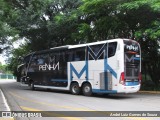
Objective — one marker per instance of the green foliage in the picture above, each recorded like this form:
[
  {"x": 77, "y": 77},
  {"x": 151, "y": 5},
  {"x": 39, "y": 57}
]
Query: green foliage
[
  {"x": 103, "y": 16},
  {"x": 137, "y": 4},
  {"x": 6, "y": 30},
  {"x": 4, "y": 69},
  {"x": 46, "y": 23},
  {"x": 17, "y": 55},
  {"x": 143, "y": 19}
]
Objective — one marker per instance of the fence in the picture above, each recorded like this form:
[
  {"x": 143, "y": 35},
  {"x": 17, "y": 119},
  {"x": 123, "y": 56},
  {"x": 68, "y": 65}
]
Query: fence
[{"x": 7, "y": 76}]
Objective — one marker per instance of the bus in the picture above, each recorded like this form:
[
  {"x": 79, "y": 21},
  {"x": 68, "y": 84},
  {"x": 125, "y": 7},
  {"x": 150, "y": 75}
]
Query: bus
[{"x": 109, "y": 66}]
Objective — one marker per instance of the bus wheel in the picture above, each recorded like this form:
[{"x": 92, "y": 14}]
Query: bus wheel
[
  {"x": 32, "y": 85},
  {"x": 75, "y": 89},
  {"x": 87, "y": 89}
]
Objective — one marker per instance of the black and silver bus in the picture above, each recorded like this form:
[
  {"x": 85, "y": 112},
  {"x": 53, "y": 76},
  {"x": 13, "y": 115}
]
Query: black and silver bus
[{"x": 110, "y": 66}]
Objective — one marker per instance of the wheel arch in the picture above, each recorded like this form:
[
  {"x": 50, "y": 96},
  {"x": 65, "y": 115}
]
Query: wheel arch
[
  {"x": 86, "y": 82},
  {"x": 30, "y": 81},
  {"x": 72, "y": 83}
]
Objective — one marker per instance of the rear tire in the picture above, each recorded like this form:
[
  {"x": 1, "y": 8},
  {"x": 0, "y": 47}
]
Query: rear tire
[
  {"x": 75, "y": 89},
  {"x": 87, "y": 89}
]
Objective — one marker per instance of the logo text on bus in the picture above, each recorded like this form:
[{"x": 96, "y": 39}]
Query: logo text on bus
[
  {"x": 49, "y": 67},
  {"x": 132, "y": 47}
]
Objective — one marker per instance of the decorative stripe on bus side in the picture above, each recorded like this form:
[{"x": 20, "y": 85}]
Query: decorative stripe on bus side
[
  {"x": 84, "y": 69},
  {"x": 108, "y": 67},
  {"x": 103, "y": 91},
  {"x": 59, "y": 80}
]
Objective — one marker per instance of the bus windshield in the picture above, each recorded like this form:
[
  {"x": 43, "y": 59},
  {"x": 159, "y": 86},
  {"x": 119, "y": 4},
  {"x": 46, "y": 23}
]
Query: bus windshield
[{"x": 131, "y": 60}]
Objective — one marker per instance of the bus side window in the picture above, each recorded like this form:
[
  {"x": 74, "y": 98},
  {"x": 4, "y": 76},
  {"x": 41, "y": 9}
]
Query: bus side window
[
  {"x": 26, "y": 59},
  {"x": 40, "y": 61},
  {"x": 32, "y": 66},
  {"x": 76, "y": 57},
  {"x": 62, "y": 56},
  {"x": 69, "y": 56},
  {"x": 79, "y": 54},
  {"x": 34, "y": 59},
  {"x": 112, "y": 49},
  {"x": 96, "y": 49}
]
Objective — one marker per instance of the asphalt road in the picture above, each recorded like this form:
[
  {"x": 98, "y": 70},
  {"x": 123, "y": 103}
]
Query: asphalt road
[{"x": 21, "y": 98}]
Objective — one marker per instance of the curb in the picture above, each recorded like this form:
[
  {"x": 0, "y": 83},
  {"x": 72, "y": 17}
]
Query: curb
[
  {"x": 149, "y": 92},
  {"x": 4, "y": 104},
  {"x": 4, "y": 107}
]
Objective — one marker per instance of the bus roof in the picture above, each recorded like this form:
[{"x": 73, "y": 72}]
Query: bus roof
[
  {"x": 93, "y": 43},
  {"x": 61, "y": 47},
  {"x": 76, "y": 46},
  {"x": 86, "y": 44}
]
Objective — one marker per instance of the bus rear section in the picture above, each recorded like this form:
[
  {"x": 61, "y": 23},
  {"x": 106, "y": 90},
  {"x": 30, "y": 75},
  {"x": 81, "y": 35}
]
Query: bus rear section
[{"x": 130, "y": 78}]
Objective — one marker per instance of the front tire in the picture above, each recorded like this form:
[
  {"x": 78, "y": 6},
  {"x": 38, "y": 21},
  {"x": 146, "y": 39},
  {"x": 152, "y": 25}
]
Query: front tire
[
  {"x": 75, "y": 89},
  {"x": 87, "y": 89},
  {"x": 32, "y": 85}
]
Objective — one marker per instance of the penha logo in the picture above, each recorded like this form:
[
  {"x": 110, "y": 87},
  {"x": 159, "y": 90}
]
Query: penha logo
[
  {"x": 49, "y": 67},
  {"x": 132, "y": 47}
]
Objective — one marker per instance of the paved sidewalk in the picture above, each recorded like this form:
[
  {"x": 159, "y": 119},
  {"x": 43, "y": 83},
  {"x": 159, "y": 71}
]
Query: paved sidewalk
[{"x": 149, "y": 92}]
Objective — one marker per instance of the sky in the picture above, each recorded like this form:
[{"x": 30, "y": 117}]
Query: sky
[{"x": 3, "y": 58}]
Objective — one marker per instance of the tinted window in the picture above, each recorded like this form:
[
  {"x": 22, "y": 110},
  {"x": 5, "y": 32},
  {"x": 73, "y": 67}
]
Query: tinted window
[
  {"x": 38, "y": 59},
  {"x": 112, "y": 49},
  {"x": 77, "y": 54},
  {"x": 58, "y": 56},
  {"x": 27, "y": 59},
  {"x": 96, "y": 52}
]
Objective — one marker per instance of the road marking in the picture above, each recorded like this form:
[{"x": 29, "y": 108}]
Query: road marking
[
  {"x": 6, "y": 118},
  {"x": 43, "y": 103},
  {"x": 150, "y": 92},
  {"x": 29, "y": 109},
  {"x": 72, "y": 108},
  {"x": 5, "y": 101},
  {"x": 139, "y": 118},
  {"x": 6, "y": 106},
  {"x": 51, "y": 114}
]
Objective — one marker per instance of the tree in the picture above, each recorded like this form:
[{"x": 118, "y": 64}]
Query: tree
[
  {"x": 102, "y": 17},
  {"x": 6, "y": 31},
  {"x": 2, "y": 68},
  {"x": 145, "y": 27},
  {"x": 45, "y": 24},
  {"x": 15, "y": 60}
]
